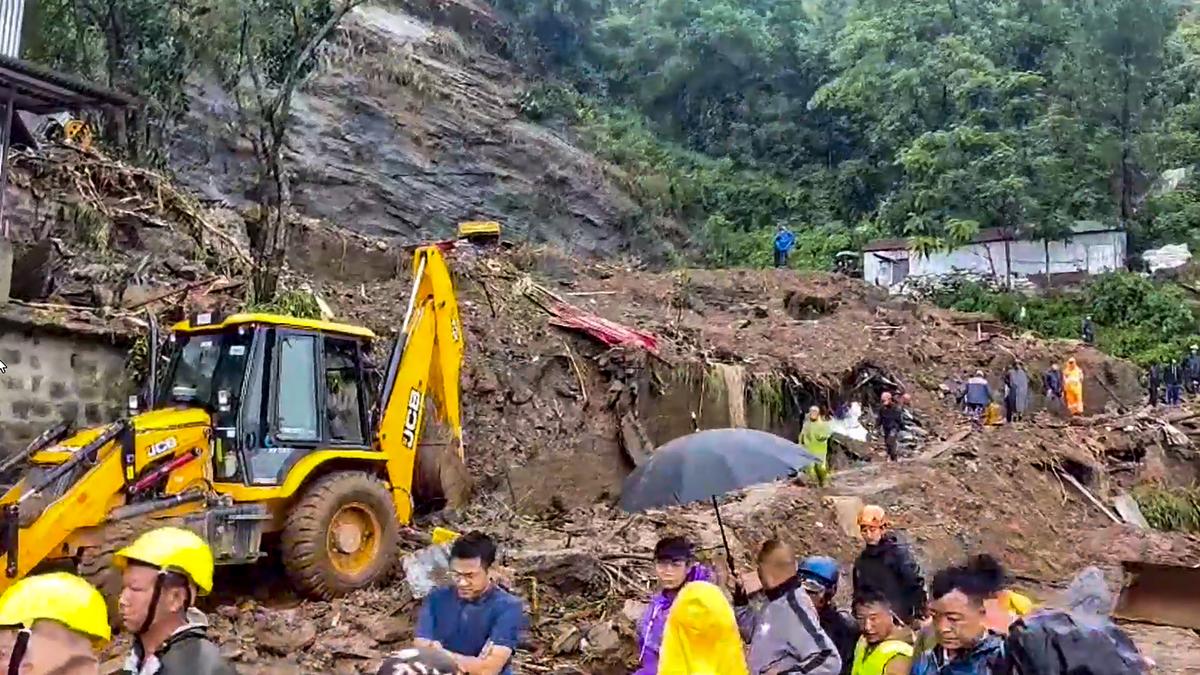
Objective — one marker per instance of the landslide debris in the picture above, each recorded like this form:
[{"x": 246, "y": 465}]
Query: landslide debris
[{"x": 552, "y": 416}]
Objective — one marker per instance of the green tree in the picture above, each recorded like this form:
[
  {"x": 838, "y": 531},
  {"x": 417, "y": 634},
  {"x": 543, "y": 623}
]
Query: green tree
[
  {"x": 142, "y": 47},
  {"x": 263, "y": 63}
]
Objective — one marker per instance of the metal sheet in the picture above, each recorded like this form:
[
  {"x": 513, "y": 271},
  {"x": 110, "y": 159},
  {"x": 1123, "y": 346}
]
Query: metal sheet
[
  {"x": 1166, "y": 595},
  {"x": 12, "y": 13}
]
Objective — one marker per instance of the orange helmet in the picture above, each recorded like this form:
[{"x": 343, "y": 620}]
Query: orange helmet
[{"x": 872, "y": 515}]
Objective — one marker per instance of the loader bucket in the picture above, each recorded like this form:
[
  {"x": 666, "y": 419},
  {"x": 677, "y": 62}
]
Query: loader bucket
[{"x": 1166, "y": 595}]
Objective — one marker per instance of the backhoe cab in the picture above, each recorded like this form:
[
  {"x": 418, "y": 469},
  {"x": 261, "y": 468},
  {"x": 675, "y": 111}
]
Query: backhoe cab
[{"x": 261, "y": 425}]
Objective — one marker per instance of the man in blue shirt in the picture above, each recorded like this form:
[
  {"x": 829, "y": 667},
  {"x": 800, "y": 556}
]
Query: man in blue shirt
[
  {"x": 478, "y": 623},
  {"x": 784, "y": 241}
]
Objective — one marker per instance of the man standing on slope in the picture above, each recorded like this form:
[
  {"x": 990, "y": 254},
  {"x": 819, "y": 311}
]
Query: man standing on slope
[
  {"x": 887, "y": 565},
  {"x": 814, "y": 436},
  {"x": 782, "y": 626},
  {"x": 891, "y": 423},
  {"x": 784, "y": 241},
  {"x": 675, "y": 565}
]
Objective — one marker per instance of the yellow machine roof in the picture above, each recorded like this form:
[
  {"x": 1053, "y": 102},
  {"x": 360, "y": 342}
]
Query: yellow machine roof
[{"x": 278, "y": 320}]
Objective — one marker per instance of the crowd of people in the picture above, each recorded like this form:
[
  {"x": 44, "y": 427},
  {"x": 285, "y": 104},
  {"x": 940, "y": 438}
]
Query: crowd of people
[
  {"x": 53, "y": 623},
  {"x": 781, "y": 618},
  {"x": 1062, "y": 388},
  {"x": 1167, "y": 381}
]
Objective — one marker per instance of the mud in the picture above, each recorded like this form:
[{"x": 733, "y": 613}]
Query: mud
[{"x": 544, "y": 409}]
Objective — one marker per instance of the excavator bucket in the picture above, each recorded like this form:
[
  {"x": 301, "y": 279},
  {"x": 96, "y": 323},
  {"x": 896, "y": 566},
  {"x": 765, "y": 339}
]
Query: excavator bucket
[
  {"x": 441, "y": 475},
  {"x": 480, "y": 232},
  {"x": 1166, "y": 595}
]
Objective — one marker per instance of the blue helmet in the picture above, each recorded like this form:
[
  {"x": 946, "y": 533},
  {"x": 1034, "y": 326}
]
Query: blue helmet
[{"x": 822, "y": 569}]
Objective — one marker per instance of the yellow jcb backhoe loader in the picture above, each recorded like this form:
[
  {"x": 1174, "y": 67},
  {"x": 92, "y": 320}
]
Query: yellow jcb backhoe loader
[{"x": 262, "y": 425}]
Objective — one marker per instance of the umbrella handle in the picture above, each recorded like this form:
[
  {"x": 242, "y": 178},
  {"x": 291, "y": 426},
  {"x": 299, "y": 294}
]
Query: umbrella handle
[{"x": 724, "y": 540}]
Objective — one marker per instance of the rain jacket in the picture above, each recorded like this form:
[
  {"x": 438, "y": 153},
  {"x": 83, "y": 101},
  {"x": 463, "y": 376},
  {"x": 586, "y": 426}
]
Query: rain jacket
[
  {"x": 187, "y": 652},
  {"x": 890, "y": 568},
  {"x": 1052, "y": 383},
  {"x": 1005, "y": 608},
  {"x": 701, "y": 636},
  {"x": 1073, "y": 387},
  {"x": 1172, "y": 375},
  {"x": 1058, "y": 643},
  {"x": 785, "y": 634},
  {"x": 891, "y": 418},
  {"x": 784, "y": 241},
  {"x": 654, "y": 620},
  {"x": 814, "y": 436},
  {"x": 978, "y": 392},
  {"x": 1017, "y": 381},
  {"x": 985, "y": 658},
  {"x": 1191, "y": 366}
]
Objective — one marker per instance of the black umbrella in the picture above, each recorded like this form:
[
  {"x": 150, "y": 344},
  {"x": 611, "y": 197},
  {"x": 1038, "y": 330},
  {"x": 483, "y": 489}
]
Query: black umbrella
[{"x": 707, "y": 464}]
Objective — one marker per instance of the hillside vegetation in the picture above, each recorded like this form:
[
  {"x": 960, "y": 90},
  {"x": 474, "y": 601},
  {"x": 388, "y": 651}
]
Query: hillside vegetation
[{"x": 851, "y": 118}]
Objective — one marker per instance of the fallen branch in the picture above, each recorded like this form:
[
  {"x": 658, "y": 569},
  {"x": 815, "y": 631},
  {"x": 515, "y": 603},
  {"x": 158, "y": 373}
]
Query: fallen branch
[
  {"x": 181, "y": 289},
  {"x": 1090, "y": 497}
]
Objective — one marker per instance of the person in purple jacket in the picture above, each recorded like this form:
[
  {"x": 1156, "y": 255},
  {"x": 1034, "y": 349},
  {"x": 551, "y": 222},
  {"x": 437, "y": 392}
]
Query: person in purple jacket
[{"x": 674, "y": 565}]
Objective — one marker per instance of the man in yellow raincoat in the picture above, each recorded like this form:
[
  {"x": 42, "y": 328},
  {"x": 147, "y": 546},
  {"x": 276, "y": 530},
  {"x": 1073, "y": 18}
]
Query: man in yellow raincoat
[
  {"x": 702, "y": 636},
  {"x": 1073, "y": 387},
  {"x": 814, "y": 436}
]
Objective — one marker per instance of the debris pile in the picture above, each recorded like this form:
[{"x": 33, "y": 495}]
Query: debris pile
[{"x": 555, "y": 418}]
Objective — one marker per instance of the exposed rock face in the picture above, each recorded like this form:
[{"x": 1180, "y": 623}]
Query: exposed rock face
[{"x": 407, "y": 130}]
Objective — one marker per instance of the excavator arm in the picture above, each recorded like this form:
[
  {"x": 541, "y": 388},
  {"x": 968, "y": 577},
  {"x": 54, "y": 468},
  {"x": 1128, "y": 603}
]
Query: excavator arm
[{"x": 426, "y": 362}]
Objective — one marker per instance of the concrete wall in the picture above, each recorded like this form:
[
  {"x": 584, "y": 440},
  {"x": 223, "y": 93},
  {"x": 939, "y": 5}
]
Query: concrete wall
[
  {"x": 55, "y": 376},
  {"x": 1091, "y": 253}
]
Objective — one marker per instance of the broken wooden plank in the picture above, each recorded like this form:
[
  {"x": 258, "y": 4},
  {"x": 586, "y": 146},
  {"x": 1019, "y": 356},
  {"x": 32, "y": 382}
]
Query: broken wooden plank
[
  {"x": 1090, "y": 497},
  {"x": 946, "y": 445}
]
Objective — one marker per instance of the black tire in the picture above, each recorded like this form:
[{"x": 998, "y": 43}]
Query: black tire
[
  {"x": 96, "y": 563},
  {"x": 312, "y": 564}
]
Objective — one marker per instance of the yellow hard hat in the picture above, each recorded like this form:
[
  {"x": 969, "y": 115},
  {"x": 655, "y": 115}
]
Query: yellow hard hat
[
  {"x": 173, "y": 550},
  {"x": 60, "y": 597}
]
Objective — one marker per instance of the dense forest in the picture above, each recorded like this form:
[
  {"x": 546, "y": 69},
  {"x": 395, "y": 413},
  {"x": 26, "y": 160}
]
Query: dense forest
[{"x": 851, "y": 118}]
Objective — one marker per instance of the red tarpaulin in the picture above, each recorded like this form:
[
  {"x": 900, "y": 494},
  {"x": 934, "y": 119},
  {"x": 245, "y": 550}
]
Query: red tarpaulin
[{"x": 608, "y": 332}]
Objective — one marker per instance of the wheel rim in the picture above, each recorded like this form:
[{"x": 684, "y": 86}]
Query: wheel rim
[{"x": 353, "y": 539}]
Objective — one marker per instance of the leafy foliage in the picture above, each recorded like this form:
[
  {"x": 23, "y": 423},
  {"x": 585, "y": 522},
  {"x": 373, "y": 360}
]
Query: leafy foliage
[
  {"x": 1134, "y": 317},
  {"x": 928, "y": 119},
  {"x": 1171, "y": 510}
]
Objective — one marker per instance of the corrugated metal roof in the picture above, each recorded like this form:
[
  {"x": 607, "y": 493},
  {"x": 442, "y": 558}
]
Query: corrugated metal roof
[
  {"x": 12, "y": 14},
  {"x": 991, "y": 234},
  {"x": 41, "y": 90}
]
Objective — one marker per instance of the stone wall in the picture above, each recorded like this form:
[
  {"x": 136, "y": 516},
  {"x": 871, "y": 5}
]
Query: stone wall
[{"x": 56, "y": 374}]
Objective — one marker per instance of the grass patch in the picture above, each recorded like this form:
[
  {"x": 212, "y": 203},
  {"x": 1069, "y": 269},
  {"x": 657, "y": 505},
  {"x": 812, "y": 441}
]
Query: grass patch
[
  {"x": 766, "y": 394},
  {"x": 1170, "y": 509}
]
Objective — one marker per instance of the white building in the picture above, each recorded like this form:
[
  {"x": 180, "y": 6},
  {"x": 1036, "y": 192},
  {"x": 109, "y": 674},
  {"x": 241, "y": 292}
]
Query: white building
[{"x": 1092, "y": 248}]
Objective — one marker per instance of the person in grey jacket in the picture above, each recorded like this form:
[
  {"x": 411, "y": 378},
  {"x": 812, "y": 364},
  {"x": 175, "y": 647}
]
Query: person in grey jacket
[{"x": 778, "y": 620}]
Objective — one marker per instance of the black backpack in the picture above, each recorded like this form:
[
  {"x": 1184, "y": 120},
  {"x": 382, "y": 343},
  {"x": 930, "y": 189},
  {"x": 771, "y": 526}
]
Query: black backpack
[{"x": 1056, "y": 643}]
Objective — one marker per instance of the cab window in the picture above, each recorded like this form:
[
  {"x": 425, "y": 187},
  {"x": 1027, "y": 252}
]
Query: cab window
[
  {"x": 296, "y": 389},
  {"x": 343, "y": 392}
]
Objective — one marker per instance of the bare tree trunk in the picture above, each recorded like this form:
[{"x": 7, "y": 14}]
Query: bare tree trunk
[
  {"x": 1126, "y": 151},
  {"x": 1046, "y": 245}
]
